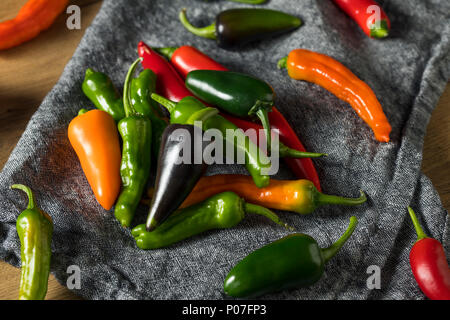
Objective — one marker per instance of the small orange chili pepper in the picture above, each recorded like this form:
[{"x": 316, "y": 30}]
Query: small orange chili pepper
[
  {"x": 335, "y": 77},
  {"x": 93, "y": 135},
  {"x": 300, "y": 196},
  {"x": 34, "y": 17}
]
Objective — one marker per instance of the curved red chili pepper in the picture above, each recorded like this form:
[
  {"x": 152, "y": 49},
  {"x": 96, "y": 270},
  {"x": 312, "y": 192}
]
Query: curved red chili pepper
[
  {"x": 429, "y": 264},
  {"x": 360, "y": 11},
  {"x": 169, "y": 84},
  {"x": 188, "y": 58}
]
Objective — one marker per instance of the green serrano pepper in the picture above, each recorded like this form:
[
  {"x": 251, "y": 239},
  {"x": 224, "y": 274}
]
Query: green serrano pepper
[
  {"x": 136, "y": 132},
  {"x": 255, "y": 161},
  {"x": 236, "y": 93},
  {"x": 223, "y": 210},
  {"x": 99, "y": 88},
  {"x": 35, "y": 229},
  {"x": 292, "y": 262},
  {"x": 141, "y": 89}
]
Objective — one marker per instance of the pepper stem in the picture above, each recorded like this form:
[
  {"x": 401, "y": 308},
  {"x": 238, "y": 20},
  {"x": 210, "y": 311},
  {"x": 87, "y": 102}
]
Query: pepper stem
[
  {"x": 379, "y": 31},
  {"x": 331, "y": 251},
  {"x": 82, "y": 111},
  {"x": 420, "y": 233},
  {"x": 166, "y": 52},
  {"x": 166, "y": 103},
  {"x": 127, "y": 105},
  {"x": 255, "y": 209},
  {"x": 27, "y": 190},
  {"x": 286, "y": 152},
  {"x": 330, "y": 199},
  {"x": 250, "y": 1},
  {"x": 282, "y": 63},
  {"x": 262, "y": 114},
  {"x": 208, "y": 32}
]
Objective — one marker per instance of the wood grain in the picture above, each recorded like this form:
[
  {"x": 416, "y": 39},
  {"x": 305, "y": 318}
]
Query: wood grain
[{"x": 28, "y": 72}]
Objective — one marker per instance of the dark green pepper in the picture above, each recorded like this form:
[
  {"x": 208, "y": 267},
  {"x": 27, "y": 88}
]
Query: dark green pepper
[
  {"x": 255, "y": 161},
  {"x": 35, "y": 229},
  {"x": 223, "y": 210},
  {"x": 99, "y": 88},
  {"x": 292, "y": 262},
  {"x": 136, "y": 132},
  {"x": 235, "y": 27},
  {"x": 236, "y": 93},
  {"x": 141, "y": 89}
]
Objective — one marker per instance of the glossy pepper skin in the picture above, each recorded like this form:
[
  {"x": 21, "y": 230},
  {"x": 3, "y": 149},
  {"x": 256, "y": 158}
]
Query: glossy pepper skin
[
  {"x": 187, "y": 58},
  {"x": 294, "y": 261},
  {"x": 33, "y": 18},
  {"x": 429, "y": 264},
  {"x": 236, "y": 93},
  {"x": 141, "y": 90},
  {"x": 255, "y": 161},
  {"x": 99, "y": 88},
  {"x": 236, "y": 27},
  {"x": 169, "y": 84},
  {"x": 332, "y": 75},
  {"x": 300, "y": 196},
  {"x": 175, "y": 180},
  {"x": 362, "y": 12},
  {"x": 224, "y": 210},
  {"x": 136, "y": 132},
  {"x": 93, "y": 135},
  {"x": 35, "y": 229}
]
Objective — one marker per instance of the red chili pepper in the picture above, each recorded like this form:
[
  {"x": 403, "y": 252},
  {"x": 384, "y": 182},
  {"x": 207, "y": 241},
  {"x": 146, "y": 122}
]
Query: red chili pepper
[
  {"x": 169, "y": 84},
  {"x": 429, "y": 264},
  {"x": 187, "y": 58},
  {"x": 362, "y": 12}
]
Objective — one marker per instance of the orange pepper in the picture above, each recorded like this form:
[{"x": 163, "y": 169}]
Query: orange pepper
[
  {"x": 34, "y": 17},
  {"x": 335, "y": 77},
  {"x": 93, "y": 135},
  {"x": 300, "y": 196}
]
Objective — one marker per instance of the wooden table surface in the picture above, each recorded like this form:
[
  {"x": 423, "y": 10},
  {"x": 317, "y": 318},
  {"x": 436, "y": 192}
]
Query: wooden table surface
[{"x": 28, "y": 72}]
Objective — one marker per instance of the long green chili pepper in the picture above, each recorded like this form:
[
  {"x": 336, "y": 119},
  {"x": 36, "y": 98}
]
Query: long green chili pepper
[
  {"x": 223, "y": 210},
  {"x": 292, "y": 262},
  {"x": 255, "y": 161},
  {"x": 35, "y": 229},
  {"x": 136, "y": 132},
  {"x": 141, "y": 89},
  {"x": 99, "y": 88},
  {"x": 236, "y": 93}
]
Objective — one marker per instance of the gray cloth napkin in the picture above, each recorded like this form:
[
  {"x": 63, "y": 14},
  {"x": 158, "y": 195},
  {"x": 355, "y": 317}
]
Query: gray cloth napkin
[{"x": 408, "y": 72}]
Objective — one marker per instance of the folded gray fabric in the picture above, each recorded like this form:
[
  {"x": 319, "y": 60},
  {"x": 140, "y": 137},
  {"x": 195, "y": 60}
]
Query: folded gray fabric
[{"x": 408, "y": 72}]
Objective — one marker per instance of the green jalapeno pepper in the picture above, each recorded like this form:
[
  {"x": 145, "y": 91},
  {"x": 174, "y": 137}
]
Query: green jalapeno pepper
[
  {"x": 223, "y": 210},
  {"x": 291, "y": 262},
  {"x": 99, "y": 88},
  {"x": 136, "y": 132},
  {"x": 35, "y": 229},
  {"x": 235, "y": 27},
  {"x": 141, "y": 89},
  {"x": 236, "y": 93},
  {"x": 255, "y": 161}
]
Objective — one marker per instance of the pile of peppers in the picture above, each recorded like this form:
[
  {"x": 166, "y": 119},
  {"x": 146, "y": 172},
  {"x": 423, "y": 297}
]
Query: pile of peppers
[{"x": 127, "y": 136}]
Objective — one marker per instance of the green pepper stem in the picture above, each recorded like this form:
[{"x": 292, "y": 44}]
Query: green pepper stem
[
  {"x": 380, "y": 31},
  {"x": 208, "y": 32},
  {"x": 82, "y": 111},
  {"x": 127, "y": 105},
  {"x": 27, "y": 190},
  {"x": 250, "y": 1},
  {"x": 322, "y": 199},
  {"x": 331, "y": 251},
  {"x": 282, "y": 63},
  {"x": 166, "y": 103},
  {"x": 166, "y": 52},
  {"x": 286, "y": 152},
  {"x": 262, "y": 114},
  {"x": 255, "y": 209},
  {"x": 420, "y": 233},
  {"x": 89, "y": 72}
]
